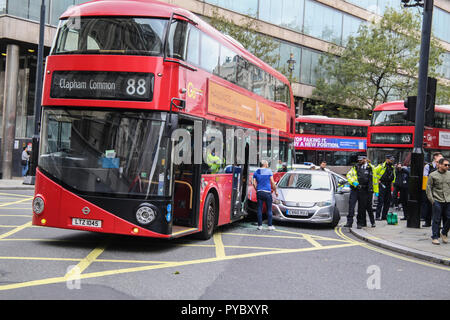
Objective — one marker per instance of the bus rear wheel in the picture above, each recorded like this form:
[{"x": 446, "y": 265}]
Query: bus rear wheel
[{"x": 209, "y": 218}]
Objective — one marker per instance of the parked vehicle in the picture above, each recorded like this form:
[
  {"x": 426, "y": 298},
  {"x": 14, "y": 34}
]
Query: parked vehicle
[{"x": 311, "y": 196}]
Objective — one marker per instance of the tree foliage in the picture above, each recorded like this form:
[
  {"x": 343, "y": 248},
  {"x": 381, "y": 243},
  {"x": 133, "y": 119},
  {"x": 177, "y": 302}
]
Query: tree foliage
[{"x": 378, "y": 64}]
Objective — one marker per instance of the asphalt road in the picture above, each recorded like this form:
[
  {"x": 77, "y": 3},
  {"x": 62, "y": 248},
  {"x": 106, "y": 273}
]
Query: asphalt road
[{"x": 291, "y": 263}]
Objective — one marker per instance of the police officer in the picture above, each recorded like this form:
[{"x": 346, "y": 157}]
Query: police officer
[
  {"x": 362, "y": 183},
  {"x": 385, "y": 174}
]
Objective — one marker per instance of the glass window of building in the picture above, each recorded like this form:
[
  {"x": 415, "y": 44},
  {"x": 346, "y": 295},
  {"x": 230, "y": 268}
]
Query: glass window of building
[
  {"x": 441, "y": 24},
  {"x": 292, "y": 14},
  {"x": 444, "y": 68},
  {"x": 247, "y": 7},
  {"x": 18, "y": 8},
  {"x": 285, "y": 54},
  {"x": 350, "y": 27},
  {"x": 309, "y": 72},
  {"x": 271, "y": 11},
  {"x": 2, "y": 6},
  {"x": 58, "y": 8},
  {"x": 322, "y": 22}
]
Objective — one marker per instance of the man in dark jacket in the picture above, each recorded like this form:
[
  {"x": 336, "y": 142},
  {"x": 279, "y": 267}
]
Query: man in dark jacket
[{"x": 402, "y": 182}]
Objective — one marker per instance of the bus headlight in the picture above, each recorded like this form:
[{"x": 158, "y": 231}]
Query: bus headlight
[
  {"x": 145, "y": 214},
  {"x": 38, "y": 205}
]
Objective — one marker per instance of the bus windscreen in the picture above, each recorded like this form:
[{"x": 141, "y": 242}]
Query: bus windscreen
[{"x": 111, "y": 35}]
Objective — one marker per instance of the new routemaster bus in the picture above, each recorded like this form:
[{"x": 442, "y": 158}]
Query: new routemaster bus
[
  {"x": 122, "y": 80},
  {"x": 338, "y": 141},
  {"x": 391, "y": 133}
]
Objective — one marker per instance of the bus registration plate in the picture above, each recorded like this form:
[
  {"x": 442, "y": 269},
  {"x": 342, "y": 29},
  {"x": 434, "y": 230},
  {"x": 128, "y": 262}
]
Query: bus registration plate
[
  {"x": 293, "y": 212},
  {"x": 87, "y": 223}
]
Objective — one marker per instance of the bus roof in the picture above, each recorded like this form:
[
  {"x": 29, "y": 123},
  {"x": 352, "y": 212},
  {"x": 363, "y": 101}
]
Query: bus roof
[
  {"x": 399, "y": 105},
  {"x": 324, "y": 119},
  {"x": 153, "y": 8}
]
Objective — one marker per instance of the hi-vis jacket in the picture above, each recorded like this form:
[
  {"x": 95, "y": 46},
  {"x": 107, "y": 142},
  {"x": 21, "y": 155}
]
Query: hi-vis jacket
[
  {"x": 352, "y": 176},
  {"x": 380, "y": 170}
]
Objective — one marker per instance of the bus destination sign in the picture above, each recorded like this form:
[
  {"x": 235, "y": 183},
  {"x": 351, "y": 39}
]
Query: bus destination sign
[
  {"x": 391, "y": 138},
  {"x": 135, "y": 86}
]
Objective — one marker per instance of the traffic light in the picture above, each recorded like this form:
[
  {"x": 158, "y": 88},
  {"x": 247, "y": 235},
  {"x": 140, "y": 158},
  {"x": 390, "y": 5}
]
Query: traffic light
[
  {"x": 410, "y": 105},
  {"x": 411, "y": 102}
]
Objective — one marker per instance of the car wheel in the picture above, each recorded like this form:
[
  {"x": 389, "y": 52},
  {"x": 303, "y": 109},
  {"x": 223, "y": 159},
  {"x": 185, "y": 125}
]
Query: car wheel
[
  {"x": 336, "y": 218},
  {"x": 209, "y": 218}
]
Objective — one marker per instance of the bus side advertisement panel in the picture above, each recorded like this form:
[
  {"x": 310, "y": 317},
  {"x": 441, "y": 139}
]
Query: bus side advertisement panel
[{"x": 228, "y": 103}]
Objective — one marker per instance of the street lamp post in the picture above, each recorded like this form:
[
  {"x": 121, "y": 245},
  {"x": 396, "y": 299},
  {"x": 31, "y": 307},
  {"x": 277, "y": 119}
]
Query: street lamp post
[
  {"x": 37, "y": 100},
  {"x": 417, "y": 157}
]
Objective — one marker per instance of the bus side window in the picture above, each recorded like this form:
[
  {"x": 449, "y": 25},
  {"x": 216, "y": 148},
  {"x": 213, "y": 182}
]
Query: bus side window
[
  {"x": 177, "y": 40},
  {"x": 193, "y": 46},
  {"x": 209, "y": 56}
]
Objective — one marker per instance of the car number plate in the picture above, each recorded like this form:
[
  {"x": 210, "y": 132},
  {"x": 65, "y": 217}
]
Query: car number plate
[
  {"x": 87, "y": 223},
  {"x": 301, "y": 213}
]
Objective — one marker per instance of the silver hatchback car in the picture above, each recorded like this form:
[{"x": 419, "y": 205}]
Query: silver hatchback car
[{"x": 312, "y": 196}]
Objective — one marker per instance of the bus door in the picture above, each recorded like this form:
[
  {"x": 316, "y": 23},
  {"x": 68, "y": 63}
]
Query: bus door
[
  {"x": 239, "y": 187},
  {"x": 187, "y": 177}
]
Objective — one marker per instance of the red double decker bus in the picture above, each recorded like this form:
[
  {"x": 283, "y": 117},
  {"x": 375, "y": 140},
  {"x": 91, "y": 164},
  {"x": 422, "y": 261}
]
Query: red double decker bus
[
  {"x": 338, "y": 141},
  {"x": 130, "y": 88},
  {"x": 391, "y": 133}
]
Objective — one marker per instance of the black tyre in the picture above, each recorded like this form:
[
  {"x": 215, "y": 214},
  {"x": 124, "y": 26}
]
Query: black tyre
[
  {"x": 209, "y": 218},
  {"x": 336, "y": 218}
]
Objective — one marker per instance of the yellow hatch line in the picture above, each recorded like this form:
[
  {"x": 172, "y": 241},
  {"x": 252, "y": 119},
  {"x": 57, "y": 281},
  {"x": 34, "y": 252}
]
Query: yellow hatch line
[
  {"x": 14, "y": 202},
  {"x": 19, "y": 228},
  {"x": 338, "y": 231}
]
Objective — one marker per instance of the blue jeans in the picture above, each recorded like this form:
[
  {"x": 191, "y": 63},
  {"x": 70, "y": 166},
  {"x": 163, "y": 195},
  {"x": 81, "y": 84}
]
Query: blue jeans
[
  {"x": 24, "y": 170},
  {"x": 266, "y": 197},
  {"x": 440, "y": 209}
]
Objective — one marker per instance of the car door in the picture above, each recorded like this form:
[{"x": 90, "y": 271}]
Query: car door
[{"x": 341, "y": 192}]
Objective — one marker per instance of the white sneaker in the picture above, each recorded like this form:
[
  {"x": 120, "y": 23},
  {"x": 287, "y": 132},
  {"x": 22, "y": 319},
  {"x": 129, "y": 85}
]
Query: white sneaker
[
  {"x": 271, "y": 228},
  {"x": 259, "y": 228}
]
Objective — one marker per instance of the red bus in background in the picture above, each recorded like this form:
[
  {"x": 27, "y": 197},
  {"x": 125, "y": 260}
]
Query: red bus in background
[
  {"x": 391, "y": 133},
  {"x": 337, "y": 141},
  {"x": 119, "y": 81}
]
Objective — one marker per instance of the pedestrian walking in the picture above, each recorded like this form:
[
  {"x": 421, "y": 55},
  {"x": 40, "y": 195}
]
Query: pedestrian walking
[
  {"x": 24, "y": 161},
  {"x": 385, "y": 175},
  {"x": 426, "y": 205},
  {"x": 264, "y": 184},
  {"x": 363, "y": 184},
  {"x": 438, "y": 192}
]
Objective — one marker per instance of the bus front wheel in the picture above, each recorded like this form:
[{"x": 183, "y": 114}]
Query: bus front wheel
[{"x": 209, "y": 217}]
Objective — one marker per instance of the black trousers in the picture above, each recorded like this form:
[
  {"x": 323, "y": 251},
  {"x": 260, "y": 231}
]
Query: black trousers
[
  {"x": 404, "y": 200},
  {"x": 384, "y": 200},
  {"x": 426, "y": 211},
  {"x": 352, "y": 204},
  {"x": 364, "y": 205}
]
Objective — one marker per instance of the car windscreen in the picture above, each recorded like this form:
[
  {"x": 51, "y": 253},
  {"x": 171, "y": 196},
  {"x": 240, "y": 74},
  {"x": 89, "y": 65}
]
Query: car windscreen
[{"x": 310, "y": 181}]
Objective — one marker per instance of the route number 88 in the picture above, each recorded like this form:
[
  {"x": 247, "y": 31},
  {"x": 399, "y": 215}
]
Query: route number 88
[{"x": 139, "y": 89}]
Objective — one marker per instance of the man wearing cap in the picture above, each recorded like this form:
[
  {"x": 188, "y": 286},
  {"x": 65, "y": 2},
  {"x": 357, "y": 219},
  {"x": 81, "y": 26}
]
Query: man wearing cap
[
  {"x": 363, "y": 183},
  {"x": 385, "y": 175}
]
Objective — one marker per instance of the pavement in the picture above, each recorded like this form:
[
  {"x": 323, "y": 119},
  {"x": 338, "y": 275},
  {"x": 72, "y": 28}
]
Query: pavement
[
  {"x": 415, "y": 242},
  {"x": 15, "y": 183}
]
